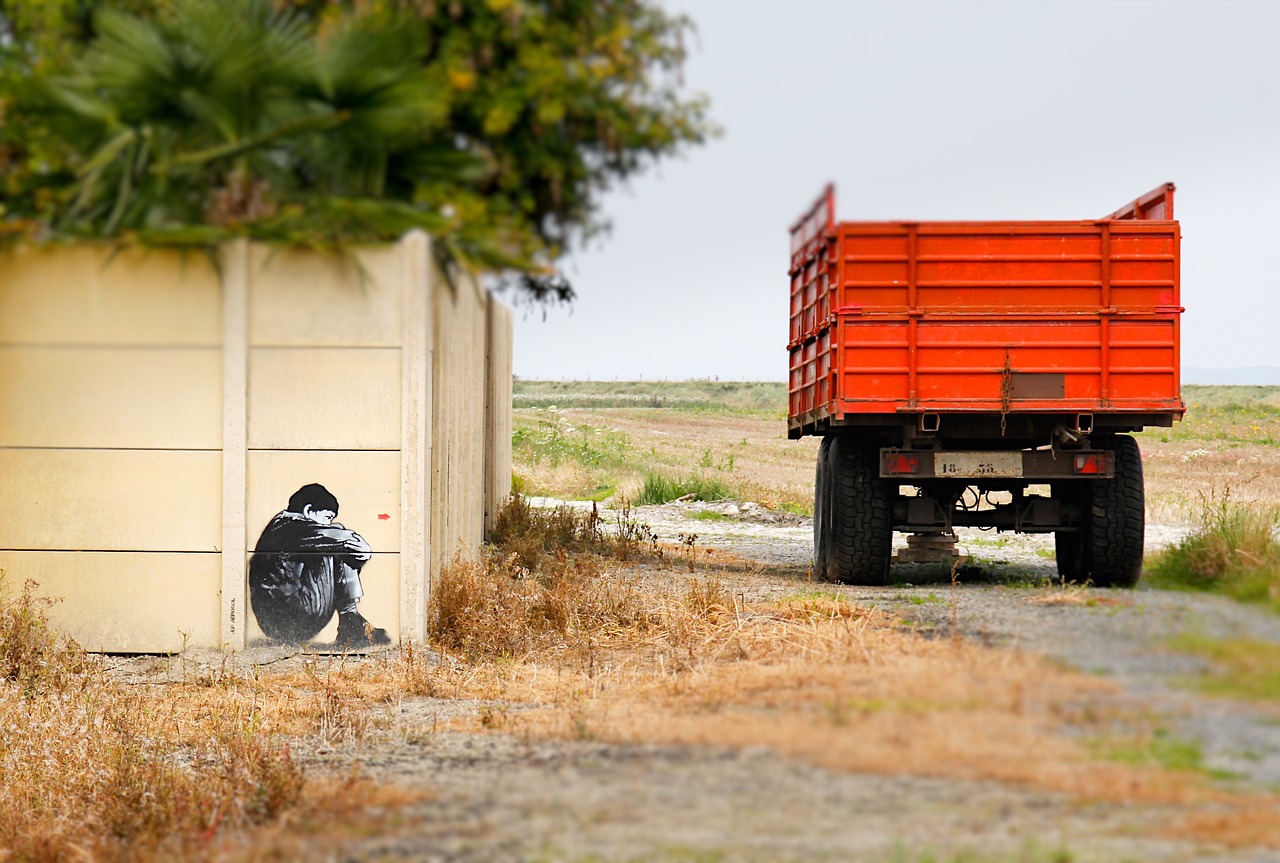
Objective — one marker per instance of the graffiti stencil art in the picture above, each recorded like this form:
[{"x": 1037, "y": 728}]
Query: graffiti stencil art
[{"x": 305, "y": 568}]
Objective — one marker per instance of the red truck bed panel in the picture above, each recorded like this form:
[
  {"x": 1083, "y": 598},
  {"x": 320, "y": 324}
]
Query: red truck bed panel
[{"x": 1003, "y": 317}]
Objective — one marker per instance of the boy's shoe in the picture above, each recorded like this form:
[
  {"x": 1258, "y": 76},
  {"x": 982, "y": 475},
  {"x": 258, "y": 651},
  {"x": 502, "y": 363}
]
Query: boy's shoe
[{"x": 354, "y": 632}]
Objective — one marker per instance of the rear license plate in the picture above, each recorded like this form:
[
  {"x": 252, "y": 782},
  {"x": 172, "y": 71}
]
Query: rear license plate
[{"x": 977, "y": 464}]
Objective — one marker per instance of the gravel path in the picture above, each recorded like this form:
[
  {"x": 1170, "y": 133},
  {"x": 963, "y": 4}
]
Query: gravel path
[
  {"x": 502, "y": 798},
  {"x": 1000, "y": 599}
]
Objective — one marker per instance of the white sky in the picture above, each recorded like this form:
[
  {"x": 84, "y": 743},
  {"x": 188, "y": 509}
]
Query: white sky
[{"x": 933, "y": 110}]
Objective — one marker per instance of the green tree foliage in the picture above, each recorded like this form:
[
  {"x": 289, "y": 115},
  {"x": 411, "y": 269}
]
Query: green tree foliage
[{"x": 493, "y": 124}]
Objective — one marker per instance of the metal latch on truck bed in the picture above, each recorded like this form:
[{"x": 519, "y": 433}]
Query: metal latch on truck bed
[{"x": 986, "y": 464}]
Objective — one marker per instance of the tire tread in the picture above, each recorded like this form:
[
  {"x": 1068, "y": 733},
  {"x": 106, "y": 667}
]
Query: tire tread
[{"x": 859, "y": 521}]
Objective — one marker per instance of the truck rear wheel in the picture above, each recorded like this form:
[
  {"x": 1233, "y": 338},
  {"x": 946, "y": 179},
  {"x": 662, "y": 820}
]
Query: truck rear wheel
[
  {"x": 1114, "y": 519},
  {"x": 858, "y": 516},
  {"x": 822, "y": 510}
]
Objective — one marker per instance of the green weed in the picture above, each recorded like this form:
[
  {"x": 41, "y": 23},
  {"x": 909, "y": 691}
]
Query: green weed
[
  {"x": 661, "y": 488},
  {"x": 1233, "y": 551},
  {"x": 1158, "y": 749},
  {"x": 1031, "y": 852},
  {"x": 710, "y": 515},
  {"x": 600, "y": 493},
  {"x": 554, "y": 442},
  {"x": 1244, "y": 668}
]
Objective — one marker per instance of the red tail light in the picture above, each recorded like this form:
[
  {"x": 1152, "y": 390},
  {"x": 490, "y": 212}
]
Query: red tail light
[
  {"x": 899, "y": 463},
  {"x": 1088, "y": 463}
]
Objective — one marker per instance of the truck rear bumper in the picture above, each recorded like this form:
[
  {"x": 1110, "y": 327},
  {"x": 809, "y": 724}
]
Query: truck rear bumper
[{"x": 1047, "y": 464}]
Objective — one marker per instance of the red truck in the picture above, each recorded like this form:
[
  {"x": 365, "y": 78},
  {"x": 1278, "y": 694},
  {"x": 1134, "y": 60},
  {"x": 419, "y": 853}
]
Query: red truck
[{"x": 983, "y": 374}]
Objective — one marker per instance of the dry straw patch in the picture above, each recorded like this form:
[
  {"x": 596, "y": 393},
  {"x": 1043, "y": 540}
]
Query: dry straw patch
[
  {"x": 842, "y": 688},
  {"x": 633, "y": 654},
  {"x": 683, "y": 660},
  {"x": 95, "y": 768}
]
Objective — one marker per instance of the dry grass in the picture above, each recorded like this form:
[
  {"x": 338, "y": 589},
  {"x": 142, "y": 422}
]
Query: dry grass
[
  {"x": 93, "y": 768},
  {"x": 635, "y": 654}
]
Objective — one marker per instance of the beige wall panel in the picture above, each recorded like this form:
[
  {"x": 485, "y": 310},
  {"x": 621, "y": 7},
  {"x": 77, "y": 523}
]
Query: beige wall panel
[
  {"x": 100, "y": 295},
  {"x": 302, "y": 299},
  {"x": 415, "y": 435},
  {"x": 380, "y": 604},
  {"x": 498, "y": 412},
  {"x": 111, "y": 397},
  {"x": 110, "y": 500},
  {"x": 318, "y": 398},
  {"x": 458, "y": 406},
  {"x": 366, "y": 484},
  {"x": 122, "y": 602}
]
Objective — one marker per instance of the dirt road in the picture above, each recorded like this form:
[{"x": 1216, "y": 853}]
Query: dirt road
[{"x": 502, "y": 795}]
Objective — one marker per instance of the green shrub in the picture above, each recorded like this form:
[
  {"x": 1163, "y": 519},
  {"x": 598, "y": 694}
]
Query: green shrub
[
  {"x": 1234, "y": 551},
  {"x": 554, "y": 443},
  {"x": 660, "y": 488}
]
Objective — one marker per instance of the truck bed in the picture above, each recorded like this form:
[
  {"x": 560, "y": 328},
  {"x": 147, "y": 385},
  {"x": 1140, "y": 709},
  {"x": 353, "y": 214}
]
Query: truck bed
[{"x": 895, "y": 319}]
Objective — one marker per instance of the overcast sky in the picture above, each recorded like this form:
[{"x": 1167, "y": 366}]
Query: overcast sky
[{"x": 933, "y": 110}]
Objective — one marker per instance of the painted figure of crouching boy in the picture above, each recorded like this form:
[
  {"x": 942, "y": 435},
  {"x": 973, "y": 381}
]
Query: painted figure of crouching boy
[{"x": 305, "y": 567}]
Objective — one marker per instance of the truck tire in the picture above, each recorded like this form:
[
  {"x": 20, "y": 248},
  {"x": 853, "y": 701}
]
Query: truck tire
[
  {"x": 1115, "y": 517},
  {"x": 822, "y": 511},
  {"x": 858, "y": 518}
]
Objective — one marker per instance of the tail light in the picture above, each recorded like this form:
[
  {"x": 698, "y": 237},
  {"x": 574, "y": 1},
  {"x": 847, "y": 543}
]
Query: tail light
[
  {"x": 1088, "y": 463},
  {"x": 901, "y": 463}
]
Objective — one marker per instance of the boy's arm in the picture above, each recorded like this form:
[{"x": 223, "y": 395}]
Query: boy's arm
[{"x": 332, "y": 539}]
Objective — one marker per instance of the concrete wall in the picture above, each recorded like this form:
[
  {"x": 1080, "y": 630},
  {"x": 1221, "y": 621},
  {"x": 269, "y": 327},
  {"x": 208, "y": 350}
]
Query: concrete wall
[{"x": 157, "y": 409}]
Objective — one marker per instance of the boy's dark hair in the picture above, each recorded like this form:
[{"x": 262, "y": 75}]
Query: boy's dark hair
[{"x": 316, "y": 495}]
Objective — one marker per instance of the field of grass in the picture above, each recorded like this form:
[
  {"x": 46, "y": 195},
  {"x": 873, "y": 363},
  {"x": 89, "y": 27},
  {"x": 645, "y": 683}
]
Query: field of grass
[
  {"x": 598, "y": 453},
  {"x": 767, "y": 398},
  {"x": 596, "y": 439},
  {"x": 1216, "y": 472},
  {"x": 1229, "y": 438}
]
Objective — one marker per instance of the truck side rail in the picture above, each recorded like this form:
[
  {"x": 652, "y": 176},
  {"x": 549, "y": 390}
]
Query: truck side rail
[{"x": 1154, "y": 205}]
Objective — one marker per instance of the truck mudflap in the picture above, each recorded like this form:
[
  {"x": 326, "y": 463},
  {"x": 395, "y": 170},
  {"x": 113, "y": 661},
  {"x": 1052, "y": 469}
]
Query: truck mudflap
[{"x": 1041, "y": 464}]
